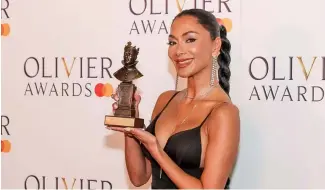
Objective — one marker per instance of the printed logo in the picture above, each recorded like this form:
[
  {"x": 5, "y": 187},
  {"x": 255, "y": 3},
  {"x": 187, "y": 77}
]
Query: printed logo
[
  {"x": 4, "y": 9},
  {"x": 103, "y": 90},
  {"x": 158, "y": 9},
  {"x": 5, "y": 144},
  {"x": 310, "y": 81},
  {"x": 68, "y": 76},
  {"x": 44, "y": 182},
  {"x": 5, "y": 27}
]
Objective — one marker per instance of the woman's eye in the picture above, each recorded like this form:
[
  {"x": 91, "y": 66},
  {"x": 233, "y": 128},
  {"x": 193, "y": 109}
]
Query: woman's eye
[
  {"x": 190, "y": 40},
  {"x": 170, "y": 43}
]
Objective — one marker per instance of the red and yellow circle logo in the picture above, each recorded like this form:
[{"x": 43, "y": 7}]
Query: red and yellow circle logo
[
  {"x": 5, "y": 29},
  {"x": 5, "y": 146},
  {"x": 226, "y": 22},
  {"x": 103, "y": 90}
]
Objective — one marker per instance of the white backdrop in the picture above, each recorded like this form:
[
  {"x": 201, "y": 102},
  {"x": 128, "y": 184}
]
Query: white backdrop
[
  {"x": 59, "y": 136},
  {"x": 282, "y": 141}
]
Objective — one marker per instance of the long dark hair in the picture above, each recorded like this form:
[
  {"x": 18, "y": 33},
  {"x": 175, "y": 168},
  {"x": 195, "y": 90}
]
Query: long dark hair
[{"x": 209, "y": 22}]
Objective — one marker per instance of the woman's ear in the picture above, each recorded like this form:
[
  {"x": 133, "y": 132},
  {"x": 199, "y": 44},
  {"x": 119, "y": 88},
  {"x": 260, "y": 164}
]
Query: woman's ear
[{"x": 216, "y": 46}]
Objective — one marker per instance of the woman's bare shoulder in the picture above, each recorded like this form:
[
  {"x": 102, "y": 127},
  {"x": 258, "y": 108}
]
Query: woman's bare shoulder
[
  {"x": 162, "y": 100},
  {"x": 224, "y": 115}
]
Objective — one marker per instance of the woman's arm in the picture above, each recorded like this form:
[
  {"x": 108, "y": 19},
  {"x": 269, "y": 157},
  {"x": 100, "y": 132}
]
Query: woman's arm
[
  {"x": 223, "y": 140},
  {"x": 138, "y": 166}
]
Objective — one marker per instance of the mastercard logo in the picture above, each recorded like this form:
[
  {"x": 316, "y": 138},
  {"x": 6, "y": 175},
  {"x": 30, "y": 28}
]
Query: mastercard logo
[
  {"x": 5, "y": 29},
  {"x": 103, "y": 90},
  {"x": 226, "y": 22},
  {"x": 5, "y": 146}
]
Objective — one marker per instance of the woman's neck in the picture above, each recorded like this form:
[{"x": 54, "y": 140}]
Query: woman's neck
[{"x": 198, "y": 85}]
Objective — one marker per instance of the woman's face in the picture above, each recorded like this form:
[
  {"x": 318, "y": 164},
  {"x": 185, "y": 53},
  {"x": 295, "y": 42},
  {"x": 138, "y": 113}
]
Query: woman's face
[{"x": 190, "y": 46}]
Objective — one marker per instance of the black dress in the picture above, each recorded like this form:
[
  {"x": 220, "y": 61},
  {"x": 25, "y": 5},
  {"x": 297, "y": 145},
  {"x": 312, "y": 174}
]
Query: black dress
[{"x": 184, "y": 148}]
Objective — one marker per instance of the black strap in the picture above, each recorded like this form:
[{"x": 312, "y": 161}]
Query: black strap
[
  {"x": 169, "y": 101},
  {"x": 218, "y": 105},
  {"x": 158, "y": 115},
  {"x": 165, "y": 106}
]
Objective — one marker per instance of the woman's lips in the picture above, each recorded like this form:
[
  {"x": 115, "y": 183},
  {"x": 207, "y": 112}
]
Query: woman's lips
[{"x": 181, "y": 63}]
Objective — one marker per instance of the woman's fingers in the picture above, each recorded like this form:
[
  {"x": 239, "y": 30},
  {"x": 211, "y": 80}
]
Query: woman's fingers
[
  {"x": 115, "y": 97},
  {"x": 140, "y": 134},
  {"x": 114, "y": 106},
  {"x": 137, "y": 97},
  {"x": 120, "y": 129}
]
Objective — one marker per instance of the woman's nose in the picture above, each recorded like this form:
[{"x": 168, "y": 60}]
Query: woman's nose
[{"x": 180, "y": 50}]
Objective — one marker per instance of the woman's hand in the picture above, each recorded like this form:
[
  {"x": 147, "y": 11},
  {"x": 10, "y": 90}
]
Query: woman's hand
[
  {"x": 146, "y": 138},
  {"x": 137, "y": 98}
]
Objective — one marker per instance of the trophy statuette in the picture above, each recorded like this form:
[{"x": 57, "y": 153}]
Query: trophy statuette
[{"x": 124, "y": 115}]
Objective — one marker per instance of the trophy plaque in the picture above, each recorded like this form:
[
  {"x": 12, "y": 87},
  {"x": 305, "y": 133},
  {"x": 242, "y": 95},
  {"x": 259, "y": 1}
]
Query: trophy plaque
[{"x": 125, "y": 114}]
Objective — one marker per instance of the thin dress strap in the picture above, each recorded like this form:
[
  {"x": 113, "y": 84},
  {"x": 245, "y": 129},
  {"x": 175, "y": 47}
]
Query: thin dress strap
[
  {"x": 218, "y": 105},
  {"x": 170, "y": 100},
  {"x": 167, "y": 103}
]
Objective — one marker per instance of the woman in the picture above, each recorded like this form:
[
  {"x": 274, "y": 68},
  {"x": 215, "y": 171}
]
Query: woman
[{"x": 193, "y": 139}]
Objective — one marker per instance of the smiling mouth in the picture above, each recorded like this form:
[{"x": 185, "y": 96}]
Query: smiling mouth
[{"x": 181, "y": 63}]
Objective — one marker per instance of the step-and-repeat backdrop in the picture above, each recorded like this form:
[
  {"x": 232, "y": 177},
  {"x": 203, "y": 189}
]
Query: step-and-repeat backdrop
[{"x": 58, "y": 60}]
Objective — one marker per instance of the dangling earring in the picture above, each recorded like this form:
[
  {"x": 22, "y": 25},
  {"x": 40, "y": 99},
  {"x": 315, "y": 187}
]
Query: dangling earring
[
  {"x": 176, "y": 82},
  {"x": 214, "y": 71}
]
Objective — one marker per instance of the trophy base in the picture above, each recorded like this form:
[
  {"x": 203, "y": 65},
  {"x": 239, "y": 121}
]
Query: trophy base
[{"x": 123, "y": 122}]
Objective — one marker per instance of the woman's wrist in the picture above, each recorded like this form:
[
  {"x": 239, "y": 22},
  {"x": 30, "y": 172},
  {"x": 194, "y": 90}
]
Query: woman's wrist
[
  {"x": 130, "y": 137},
  {"x": 157, "y": 151}
]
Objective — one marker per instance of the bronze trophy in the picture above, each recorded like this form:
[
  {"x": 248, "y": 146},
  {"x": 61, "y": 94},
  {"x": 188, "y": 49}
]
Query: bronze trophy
[{"x": 124, "y": 115}]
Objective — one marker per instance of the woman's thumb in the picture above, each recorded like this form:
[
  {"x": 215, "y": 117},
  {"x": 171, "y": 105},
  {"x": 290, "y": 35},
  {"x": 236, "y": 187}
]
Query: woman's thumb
[{"x": 137, "y": 98}]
